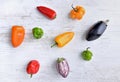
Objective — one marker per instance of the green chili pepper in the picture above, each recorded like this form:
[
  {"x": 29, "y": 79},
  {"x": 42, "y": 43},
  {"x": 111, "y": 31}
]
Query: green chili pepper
[
  {"x": 87, "y": 55},
  {"x": 37, "y": 32}
]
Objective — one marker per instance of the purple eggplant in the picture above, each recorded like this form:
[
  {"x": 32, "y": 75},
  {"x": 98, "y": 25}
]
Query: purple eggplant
[
  {"x": 97, "y": 30},
  {"x": 62, "y": 67}
]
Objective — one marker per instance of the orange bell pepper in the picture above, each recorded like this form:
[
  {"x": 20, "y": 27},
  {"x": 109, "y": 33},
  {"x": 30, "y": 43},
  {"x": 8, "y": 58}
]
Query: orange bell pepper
[
  {"x": 17, "y": 37},
  {"x": 62, "y": 39},
  {"x": 77, "y": 12}
]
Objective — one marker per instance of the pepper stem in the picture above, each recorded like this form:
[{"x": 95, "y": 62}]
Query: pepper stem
[
  {"x": 54, "y": 44},
  {"x": 74, "y": 8},
  {"x": 60, "y": 60},
  {"x": 88, "y": 48},
  {"x": 31, "y": 75}
]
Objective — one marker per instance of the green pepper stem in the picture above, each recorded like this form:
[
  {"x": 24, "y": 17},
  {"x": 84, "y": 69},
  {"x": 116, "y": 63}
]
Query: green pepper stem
[
  {"x": 31, "y": 75},
  {"x": 54, "y": 44},
  {"x": 74, "y": 8},
  {"x": 88, "y": 48}
]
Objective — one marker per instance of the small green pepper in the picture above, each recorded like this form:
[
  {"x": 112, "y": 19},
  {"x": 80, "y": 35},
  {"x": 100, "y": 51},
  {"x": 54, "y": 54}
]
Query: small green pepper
[
  {"x": 37, "y": 32},
  {"x": 87, "y": 55}
]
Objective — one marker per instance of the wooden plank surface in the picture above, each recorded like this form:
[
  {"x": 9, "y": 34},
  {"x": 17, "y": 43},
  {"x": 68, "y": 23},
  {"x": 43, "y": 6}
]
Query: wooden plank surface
[{"x": 105, "y": 64}]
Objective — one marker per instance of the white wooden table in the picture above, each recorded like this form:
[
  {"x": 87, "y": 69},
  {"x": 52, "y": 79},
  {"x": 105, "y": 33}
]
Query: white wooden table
[{"x": 105, "y": 65}]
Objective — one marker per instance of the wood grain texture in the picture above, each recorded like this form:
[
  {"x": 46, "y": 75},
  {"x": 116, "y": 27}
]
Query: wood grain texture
[{"x": 105, "y": 64}]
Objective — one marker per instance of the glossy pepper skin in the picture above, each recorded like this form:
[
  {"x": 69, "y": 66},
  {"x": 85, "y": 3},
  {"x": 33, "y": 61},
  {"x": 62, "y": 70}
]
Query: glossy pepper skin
[
  {"x": 62, "y": 67},
  {"x": 77, "y": 12},
  {"x": 87, "y": 54},
  {"x": 63, "y": 39},
  {"x": 97, "y": 30},
  {"x": 37, "y": 32},
  {"x": 50, "y": 13},
  {"x": 33, "y": 67},
  {"x": 17, "y": 37}
]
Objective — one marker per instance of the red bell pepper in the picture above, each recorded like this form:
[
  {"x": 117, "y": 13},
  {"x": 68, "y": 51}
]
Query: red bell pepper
[
  {"x": 51, "y": 14},
  {"x": 33, "y": 67}
]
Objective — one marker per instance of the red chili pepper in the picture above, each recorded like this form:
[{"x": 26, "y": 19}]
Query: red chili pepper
[
  {"x": 33, "y": 67},
  {"x": 47, "y": 12}
]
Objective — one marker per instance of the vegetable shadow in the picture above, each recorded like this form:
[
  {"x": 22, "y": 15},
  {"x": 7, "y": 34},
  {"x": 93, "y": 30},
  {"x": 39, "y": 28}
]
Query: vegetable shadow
[{"x": 56, "y": 74}]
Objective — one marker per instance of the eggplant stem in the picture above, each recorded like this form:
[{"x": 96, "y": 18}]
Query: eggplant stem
[
  {"x": 60, "y": 60},
  {"x": 107, "y": 21}
]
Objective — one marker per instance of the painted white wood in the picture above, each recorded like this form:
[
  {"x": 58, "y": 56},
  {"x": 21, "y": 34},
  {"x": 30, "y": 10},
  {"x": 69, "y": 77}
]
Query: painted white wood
[{"x": 105, "y": 65}]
